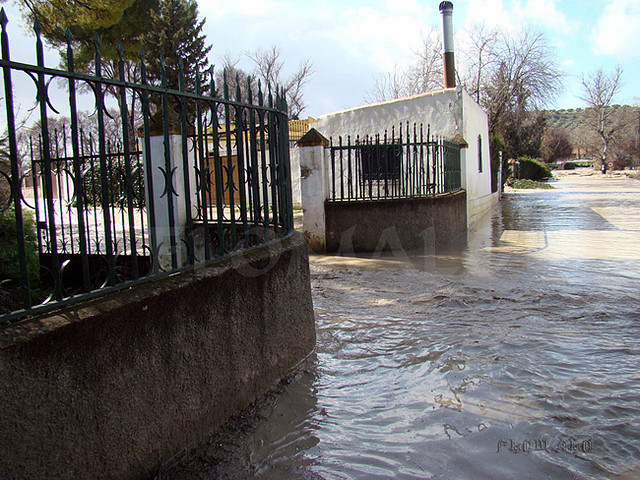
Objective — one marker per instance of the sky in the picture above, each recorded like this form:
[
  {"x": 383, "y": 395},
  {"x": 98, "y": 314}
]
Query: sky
[{"x": 351, "y": 43}]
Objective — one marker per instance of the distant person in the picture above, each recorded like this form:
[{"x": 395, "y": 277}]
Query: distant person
[{"x": 604, "y": 168}]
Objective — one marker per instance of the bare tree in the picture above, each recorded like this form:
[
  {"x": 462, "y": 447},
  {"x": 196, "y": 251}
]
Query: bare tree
[
  {"x": 527, "y": 76},
  {"x": 598, "y": 91},
  {"x": 389, "y": 86},
  {"x": 479, "y": 58},
  {"x": 425, "y": 74},
  {"x": 268, "y": 66},
  {"x": 525, "y": 79},
  {"x": 230, "y": 73},
  {"x": 556, "y": 145}
]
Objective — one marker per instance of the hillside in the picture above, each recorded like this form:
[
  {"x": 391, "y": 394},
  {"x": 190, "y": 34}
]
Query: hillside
[{"x": 574, "y": 119}]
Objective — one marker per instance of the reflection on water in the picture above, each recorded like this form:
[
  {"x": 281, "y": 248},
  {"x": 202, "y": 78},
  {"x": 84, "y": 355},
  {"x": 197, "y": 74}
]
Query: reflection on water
[{"x": 514, "y": 354}]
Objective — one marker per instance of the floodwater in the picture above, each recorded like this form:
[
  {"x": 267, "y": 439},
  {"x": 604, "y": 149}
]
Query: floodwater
[{"x": 515, "y": 354}]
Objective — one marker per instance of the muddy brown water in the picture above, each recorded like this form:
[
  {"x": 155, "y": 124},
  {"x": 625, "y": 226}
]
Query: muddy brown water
[{"x": 513, "y": 354}]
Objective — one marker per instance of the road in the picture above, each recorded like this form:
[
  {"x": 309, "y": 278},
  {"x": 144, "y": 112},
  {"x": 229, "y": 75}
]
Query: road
[{"x": 512, "y": 354}]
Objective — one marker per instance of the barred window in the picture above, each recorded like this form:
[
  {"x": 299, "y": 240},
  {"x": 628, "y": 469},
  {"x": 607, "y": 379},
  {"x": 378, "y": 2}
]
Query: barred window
[{"x": 380, "y": 162}]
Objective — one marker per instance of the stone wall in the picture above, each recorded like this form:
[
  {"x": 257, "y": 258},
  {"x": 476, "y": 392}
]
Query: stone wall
[{"x": 114, "y": 387}]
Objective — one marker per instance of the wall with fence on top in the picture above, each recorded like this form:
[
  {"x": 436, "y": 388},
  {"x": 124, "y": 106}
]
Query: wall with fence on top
[
  {"x": 151, "y": 282},
  {"x": 391, "y": 191},
  {"x": 147, "y": 181},
  {"x": 405, "y": 162}
]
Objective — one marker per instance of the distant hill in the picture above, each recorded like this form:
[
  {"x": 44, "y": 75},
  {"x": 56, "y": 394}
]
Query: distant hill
[
  {"x": 573, "y": 119},
  {"x": 586, "y": 143}
]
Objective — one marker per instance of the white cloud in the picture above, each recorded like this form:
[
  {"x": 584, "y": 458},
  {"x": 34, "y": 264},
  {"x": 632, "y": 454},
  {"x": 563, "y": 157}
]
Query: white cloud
[
  {"x": 487, "y": 12},
  {"x": 252, "y": 8},
  {"x": 383, "y": 37},
  {"x": 542, "y": 12},
  {"x": 494, "y": 13},
  {"x": 618, "y": 29}
]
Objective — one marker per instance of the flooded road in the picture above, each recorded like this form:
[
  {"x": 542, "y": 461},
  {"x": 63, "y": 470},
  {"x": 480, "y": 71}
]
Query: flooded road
[{"x": 515, "y": 354}]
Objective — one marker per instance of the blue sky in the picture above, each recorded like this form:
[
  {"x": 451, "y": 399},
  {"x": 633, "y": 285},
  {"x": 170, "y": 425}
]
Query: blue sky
[{"x": 351, "y": 43}]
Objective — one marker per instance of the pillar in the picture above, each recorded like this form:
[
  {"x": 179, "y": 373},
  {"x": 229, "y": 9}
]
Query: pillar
[
  {"x": 313, "y": 186},
  {"x": 170, "y": 195}
]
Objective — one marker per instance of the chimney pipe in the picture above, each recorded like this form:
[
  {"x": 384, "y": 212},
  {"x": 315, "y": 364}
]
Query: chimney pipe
[{"x": 446, "y": 9}]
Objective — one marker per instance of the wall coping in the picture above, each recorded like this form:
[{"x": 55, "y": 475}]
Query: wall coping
[
  {"x": 46, "y": 323},
  {"x": 369, "y": 201}
]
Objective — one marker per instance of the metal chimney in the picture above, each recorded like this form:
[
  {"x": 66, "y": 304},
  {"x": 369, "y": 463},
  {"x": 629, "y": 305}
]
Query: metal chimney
[{"x": 446, "y": 9}]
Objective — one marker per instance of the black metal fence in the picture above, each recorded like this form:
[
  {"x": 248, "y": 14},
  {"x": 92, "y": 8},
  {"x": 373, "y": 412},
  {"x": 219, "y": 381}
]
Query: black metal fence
[
  {"x": 409, "y": 164},
  {"x": 150, "y": 181}
]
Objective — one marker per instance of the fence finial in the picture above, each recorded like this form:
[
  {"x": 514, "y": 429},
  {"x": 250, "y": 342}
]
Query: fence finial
[
  {"x": 37, "y": 27},
  {"x": 181, "y": 74},
  {"x": 212, "y": 90},
  {"x": 3, "y": 18},
  {"x": 225, "y": 85}
]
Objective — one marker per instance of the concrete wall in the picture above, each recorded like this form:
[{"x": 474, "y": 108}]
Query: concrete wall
[
  {"x": 113, "y": 387},
  {"x": 402, "y": 224}
]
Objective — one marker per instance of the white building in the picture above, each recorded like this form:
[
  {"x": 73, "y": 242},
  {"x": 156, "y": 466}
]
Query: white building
[{"x": 450, "y": 113}]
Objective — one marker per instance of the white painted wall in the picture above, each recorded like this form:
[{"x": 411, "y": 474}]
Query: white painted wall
[
  {"x": 477, "y": 184},
  {"x": 442, "y": 110},
  {"x": 294, "y": 156},
  {"x": 448, "y": 112}
]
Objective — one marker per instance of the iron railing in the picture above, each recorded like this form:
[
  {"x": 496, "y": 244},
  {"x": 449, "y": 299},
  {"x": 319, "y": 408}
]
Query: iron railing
[
  {"x": 408, "y": 165},
  {"x": 166, "y": 180}
]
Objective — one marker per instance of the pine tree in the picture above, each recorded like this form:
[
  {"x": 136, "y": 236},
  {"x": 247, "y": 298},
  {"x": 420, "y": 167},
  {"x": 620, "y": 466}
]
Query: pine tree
[
  {"x": 176, "y": 34},
  {"x": 112, "y": 20}
]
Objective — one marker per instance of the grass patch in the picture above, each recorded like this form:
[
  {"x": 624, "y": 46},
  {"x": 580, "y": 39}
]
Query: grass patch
[{"x": 523, "y": 184}]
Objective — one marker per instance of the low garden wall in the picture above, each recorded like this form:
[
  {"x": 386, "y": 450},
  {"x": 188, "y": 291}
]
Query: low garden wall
[
  {"x": 114, "y": 387},
  {"x": 408, "y": 223}
]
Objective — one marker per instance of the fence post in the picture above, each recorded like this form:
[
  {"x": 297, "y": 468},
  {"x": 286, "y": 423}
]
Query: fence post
[
  {"x": 500, "y": 176},
  {"x": 313, "y": 186},
  {"x": 170, "y": 182}
]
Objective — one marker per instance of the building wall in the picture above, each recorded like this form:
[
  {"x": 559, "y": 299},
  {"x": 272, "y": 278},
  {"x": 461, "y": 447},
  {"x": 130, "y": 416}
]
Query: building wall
[
  {"x": 442, "y": 110},
  {"x": 477, "y": 184},
  {"x": 114, "y": 387}
]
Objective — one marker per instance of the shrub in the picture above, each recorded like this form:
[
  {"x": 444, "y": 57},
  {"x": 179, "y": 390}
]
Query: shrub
[
  {"x": 569, "y": 166},
  {"x": 10, "y": 291},
  {"x": 533, "y": 169}
]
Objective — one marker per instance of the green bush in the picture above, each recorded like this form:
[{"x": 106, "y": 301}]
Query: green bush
[
  {"x": 533, "y": 169},
  {"x": 569, "y": 166},
  {"x": 10, "y": 276}
]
